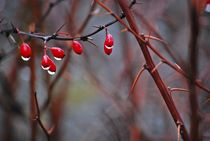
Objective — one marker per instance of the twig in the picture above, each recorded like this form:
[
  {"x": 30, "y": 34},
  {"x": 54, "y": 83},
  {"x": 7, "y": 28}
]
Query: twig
[
  {"x": 50, "y": 7},
  {"x": 59, "y": 37},
  {"x": 171, "y": 90},
  {"x": 46, "y": 131},
  {"x": 178, "y": 132},
  {"x": 156, "y": 67},
  {"x": 177, "y": 68},
  {"x": 136, "y": 79}
]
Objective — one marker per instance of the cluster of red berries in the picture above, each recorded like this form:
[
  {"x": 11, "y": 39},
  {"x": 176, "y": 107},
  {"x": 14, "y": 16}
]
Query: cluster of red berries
[
  {"x": 58, "y": 53},
  {"x": 47, "y": 63}
]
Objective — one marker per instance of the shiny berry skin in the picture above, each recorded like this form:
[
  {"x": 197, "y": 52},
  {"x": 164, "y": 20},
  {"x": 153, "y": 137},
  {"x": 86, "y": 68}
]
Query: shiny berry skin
[
  {"x": 57, "y": 52},
  {"x": 108, "y": 44},
  {"x": 77, "y": 47},
  {"x": 109, "y": 41},
  {"x": 52, "y": 68},
  {"x": 25, "y": 51},
  {"x": 45, "y": 63}
]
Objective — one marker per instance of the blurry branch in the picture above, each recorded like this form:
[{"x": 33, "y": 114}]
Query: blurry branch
[
  {"x": 50, "y": 7},
  {"x": 193, "y": 66},
  {"x": 47, "y": 132},
  {"x": 7, "y": 100},
  {"x": 158, "y": 37},
  {"x": 177, "y": 68},
  {"x": 87, "y": 19},
  {"x": 55, "y": 80},
  {"x": 134, "y": 2},
  {"x": 143, "y": 68},
  {"x": 112, "y": 124}
]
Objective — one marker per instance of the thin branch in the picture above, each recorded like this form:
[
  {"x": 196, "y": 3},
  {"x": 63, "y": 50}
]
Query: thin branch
[
  {"x": 177, "y": 68},
  {"x": 45, "y": 130},
  {"x": 177, "y": 90},
  {"x": 50, "y": 7},
  {"x": 87, "y": 19},
  {"x": 156, "y": 67},
  {"x": 178, "y": 132},
  {"x": 59, "y": 37},
  {"x": 175, "y": 56},
  {"x": 136, "y": 79}
]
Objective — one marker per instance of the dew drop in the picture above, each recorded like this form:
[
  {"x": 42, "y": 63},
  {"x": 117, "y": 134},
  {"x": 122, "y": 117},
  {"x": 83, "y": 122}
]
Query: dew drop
[
  {"x": 109, "y": 47},
  {"x": 25, "y": 58},
  {"x": 51, "y": 72},
  {"x": 56, "y": 58},
  {"x": 45, "y": 68}
]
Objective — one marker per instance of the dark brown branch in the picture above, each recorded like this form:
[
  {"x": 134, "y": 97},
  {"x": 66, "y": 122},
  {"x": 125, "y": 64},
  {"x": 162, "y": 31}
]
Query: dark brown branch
[
  {"x": 177, "y": 68},
  {"x": 193, "y": 63},
  {"x": 59, "y": 37},
  {"x": 150, "y": 66},
  {"x": 45, "y": 130}
]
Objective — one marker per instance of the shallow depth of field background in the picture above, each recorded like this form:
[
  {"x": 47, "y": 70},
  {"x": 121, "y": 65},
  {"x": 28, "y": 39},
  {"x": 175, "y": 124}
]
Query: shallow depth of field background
[{"x": 89, "y": 101}]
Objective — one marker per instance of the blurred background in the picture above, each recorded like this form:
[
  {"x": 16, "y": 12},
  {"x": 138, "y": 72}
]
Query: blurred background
[{"x": 87, "y": 98}]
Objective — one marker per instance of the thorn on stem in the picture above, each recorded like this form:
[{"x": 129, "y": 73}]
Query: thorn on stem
[{"x": 156, "y": 67}]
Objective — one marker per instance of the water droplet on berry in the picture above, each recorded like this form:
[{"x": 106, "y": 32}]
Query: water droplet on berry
[
  {"x": 51, "y": 72},
  {"x": 25, "y": 58}
]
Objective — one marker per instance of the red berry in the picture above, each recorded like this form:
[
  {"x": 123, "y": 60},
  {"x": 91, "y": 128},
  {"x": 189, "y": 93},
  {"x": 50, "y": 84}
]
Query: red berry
[
  {"x": 109, "y": 41},
  {"x": 207, "y": 1},
  {"x": 45, "y": 64},
  {"x": 52, "y": 68},
  {"x": 77, "y": 47},
  {"x": 57, "y": 52},
  {"x": 108, "y": 44},
  {"x": 25, "y": 51}
]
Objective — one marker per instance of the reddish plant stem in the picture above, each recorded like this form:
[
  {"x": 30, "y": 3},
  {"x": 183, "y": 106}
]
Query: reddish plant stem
[
  {"x": 36, "y": 14},
  {"x": 173, "y": 54},
  {"x": 193, "y": 63},
  {"x": 177, "y": 68},
  {"x": 32, "y": 91},
  {"x": 47, "y": 133},
  {"x": 155, "y": 75},
  {"x": 136, "y": 79}
]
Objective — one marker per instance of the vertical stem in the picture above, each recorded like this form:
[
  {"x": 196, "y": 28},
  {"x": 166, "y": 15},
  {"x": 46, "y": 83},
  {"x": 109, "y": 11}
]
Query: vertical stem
[
  {"x": 32, "y": 100},
  {"x": 155, "y": 75},
  {"x": 36, "y": 14},
  {"x": 193, "y": 62}
]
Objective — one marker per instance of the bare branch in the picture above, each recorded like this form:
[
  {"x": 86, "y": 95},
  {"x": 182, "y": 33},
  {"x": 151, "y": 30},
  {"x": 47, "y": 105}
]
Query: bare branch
[
  {"x": 136, "y": 79},
  {"x": 45, "y": 130}
]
